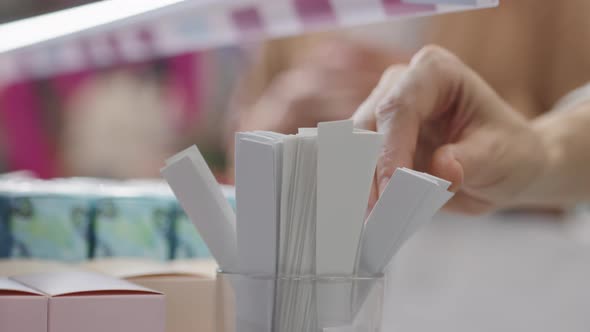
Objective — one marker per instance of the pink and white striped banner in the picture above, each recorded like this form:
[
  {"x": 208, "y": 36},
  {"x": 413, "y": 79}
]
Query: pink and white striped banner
[{"x": 28, "y": 49}]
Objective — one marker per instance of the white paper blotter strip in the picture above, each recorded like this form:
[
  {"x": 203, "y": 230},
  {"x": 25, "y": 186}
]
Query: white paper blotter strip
[
  {"x": 400, "y": 201},
  {"x": 346, "y": 165},
  {"x": 201, "y": 198},
  {"x": 258, "y": 179},
  {"x": 257, "y": 198}
]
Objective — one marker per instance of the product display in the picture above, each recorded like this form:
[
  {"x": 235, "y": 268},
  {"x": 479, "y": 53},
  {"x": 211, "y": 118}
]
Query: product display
[
  {"x": 81, "y": 218},
  {"x": 129, "y": 224},
  {"x": 44, "y": 219}
]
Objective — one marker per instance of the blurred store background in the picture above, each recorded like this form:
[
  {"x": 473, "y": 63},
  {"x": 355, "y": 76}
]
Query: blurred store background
[
  {"x": 511, "y": 271},
  {"x": 120, "y": 121}
]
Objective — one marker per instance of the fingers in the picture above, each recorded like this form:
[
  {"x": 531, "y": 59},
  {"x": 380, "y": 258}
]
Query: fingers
[
  {"x": 404, "y": 97},
  {"x": 457, "y": 117},
  {"x": 445, "y": 165},
  {"x": 400, "y": 130},
  {"x": 426, "y": 88},
  {"x": 364, "y": 117},
  {"x": 373, "y": 115},
  {"x": 435, "y": 83}
]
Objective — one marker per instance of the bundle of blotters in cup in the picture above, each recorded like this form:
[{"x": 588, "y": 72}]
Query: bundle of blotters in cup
[{"x": 301, "y": 207}]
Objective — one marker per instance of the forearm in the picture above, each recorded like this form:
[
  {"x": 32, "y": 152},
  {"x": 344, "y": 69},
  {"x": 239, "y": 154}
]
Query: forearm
[{"x": 566, "y": 177}]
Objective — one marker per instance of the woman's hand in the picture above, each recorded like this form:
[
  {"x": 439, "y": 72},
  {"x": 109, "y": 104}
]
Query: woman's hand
[{"x": 439, "y": 116}]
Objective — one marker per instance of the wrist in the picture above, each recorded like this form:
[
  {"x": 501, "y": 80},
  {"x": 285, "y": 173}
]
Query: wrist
[{"x": 543, "y": 189}]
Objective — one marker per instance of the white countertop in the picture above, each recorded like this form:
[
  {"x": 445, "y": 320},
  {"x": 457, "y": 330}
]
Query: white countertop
[{"x": 510, "y": 272}]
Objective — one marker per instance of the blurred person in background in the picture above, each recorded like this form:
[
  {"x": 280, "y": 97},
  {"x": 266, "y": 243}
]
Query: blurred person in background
[
  {"x": 116, "y": 126},
  {"x": 125, "y": 122},
  {"x": 119, "y": 121},
  {"x": 480, "y": 110}
]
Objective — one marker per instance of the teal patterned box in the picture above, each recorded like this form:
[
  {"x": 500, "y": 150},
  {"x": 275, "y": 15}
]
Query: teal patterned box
[
  {"x": 43, "y": 221},
  {"x": 133, "y": 222},
  {"x": 80, "y": 218},
  {"x": 5, "y": 237}
]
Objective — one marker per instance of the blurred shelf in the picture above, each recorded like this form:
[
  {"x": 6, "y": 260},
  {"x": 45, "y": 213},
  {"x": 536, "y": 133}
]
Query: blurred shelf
[{"x": 112, "y": 32}]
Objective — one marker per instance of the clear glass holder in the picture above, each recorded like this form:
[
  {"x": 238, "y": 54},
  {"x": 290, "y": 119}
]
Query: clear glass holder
[{"x": 263, "y": 303}]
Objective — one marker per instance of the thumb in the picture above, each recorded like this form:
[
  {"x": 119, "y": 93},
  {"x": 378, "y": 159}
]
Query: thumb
[
  {"x": 465, "y": 162},
  {"x": 451, "y": 162},
  {"x": 445, "y": 165}
]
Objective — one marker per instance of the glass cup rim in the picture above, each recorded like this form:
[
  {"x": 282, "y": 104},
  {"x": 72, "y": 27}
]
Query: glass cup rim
[{"x": 305, "y": 277}]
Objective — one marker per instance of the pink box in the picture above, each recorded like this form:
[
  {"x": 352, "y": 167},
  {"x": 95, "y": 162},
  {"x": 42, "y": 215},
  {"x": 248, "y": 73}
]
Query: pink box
[
  {"x": 21, "y": 308},
  {"x": 189, "y": 286},
  {"x": 91, "y": 302}
]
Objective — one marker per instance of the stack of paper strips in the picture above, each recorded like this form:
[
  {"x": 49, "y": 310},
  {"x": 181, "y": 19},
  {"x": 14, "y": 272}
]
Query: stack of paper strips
[{"x": 301, "y": 206}]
